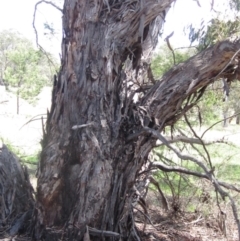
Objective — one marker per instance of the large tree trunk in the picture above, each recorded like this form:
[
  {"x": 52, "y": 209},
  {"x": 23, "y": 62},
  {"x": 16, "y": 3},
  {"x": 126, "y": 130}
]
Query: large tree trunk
[
  {"x": 96, "y": 139},
  {"x": 87, "y": 168}
]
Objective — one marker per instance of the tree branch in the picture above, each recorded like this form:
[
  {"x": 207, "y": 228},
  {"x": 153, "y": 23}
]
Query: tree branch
[
  {"x": 35, "y": 29},
  {"x": 190, "y": 140},
  {"x": 183, "y": 170},
  {"x": 236, "y": 114},
  {"x": 208, "y": 173},
  {"x": 34, "y": 15},
  {"x": 187, "y": 81}
]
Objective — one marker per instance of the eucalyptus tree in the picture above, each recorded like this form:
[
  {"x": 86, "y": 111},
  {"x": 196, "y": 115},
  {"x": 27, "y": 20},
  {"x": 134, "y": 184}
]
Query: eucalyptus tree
[
  {"x": 24, "y": 69},
  {"x": 107, "y": 113}
]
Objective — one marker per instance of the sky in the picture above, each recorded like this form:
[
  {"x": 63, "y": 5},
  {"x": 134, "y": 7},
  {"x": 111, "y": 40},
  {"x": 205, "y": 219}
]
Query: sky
[{"x": 18, "y": 15}]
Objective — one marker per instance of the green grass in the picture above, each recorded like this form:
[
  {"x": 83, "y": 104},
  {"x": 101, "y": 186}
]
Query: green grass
[{"x": 25, "y": 158}]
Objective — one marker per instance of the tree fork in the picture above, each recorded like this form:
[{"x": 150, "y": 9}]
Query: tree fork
[{"x": 89, "y": 163}]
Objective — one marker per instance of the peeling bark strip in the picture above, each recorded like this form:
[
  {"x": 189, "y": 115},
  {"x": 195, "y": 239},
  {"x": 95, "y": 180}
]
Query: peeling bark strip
[{"x": 89, "y": 163}]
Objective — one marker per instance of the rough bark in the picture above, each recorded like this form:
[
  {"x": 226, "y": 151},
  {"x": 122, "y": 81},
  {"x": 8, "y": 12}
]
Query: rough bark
[
  {"x": 16, "y": 195},
  {"x": 87, "y": 168},
  {"x": 95, "y": 142}
]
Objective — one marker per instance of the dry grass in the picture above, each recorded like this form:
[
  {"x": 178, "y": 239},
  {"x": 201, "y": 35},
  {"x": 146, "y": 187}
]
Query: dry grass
[{"x": 203, "y": 223}]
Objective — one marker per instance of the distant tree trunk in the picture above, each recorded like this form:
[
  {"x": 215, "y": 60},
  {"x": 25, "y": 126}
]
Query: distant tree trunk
[
  {"x": 237, "y": 119},
  {"x": 225, "y": 118},
  {"x": 96, "y": 137},
  {"x": 18, "y": 101},
  {"x": 18, "y": 96}
]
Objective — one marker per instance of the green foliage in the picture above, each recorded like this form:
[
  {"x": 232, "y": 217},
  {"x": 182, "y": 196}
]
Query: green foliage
[
  {"x": 218, "y": 30},
  {"x": 24, "y": 69},
  {"x": 24, "y": 157},
  {"x": 24, "y": 72},
  {"x": 8, "y": 41},
  {"x": 207, "y": 106},
  {"x": 163, "y": 60}
]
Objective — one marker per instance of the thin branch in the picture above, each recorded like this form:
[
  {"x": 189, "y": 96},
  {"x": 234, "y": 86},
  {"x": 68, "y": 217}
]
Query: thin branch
[
  {"x": 164, "y": 200},
  {"x": 35, "y": 29},
  {"x": 190, "y": 140},
  {"x": 191, "y": 158},
  {"x": 235, "y": 214},
  {"x": 183, "y": 170},
  {"x": 178, "y": 169},
  {"x": 146, "y": 216},
  {"x": 208, "y": 173},
  {"x": 170, "y": 47},
  {"x": 200, "y": 139},
  {"x": 33, "y": 119},
  {"x": 236, "y": 114},
  {"x": 34, "y": 16}
]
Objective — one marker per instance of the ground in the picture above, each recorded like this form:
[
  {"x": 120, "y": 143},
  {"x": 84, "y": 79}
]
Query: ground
[{"x": 189, "y": 226}]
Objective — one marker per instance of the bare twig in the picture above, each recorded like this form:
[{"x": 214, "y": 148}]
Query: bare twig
[
  {"x": 183, "y": 170},
  {"x": 200, "y": 139},
  {"x": 170, "y": 47},
  {"x": 35, "y": 29},
  {"x": 236, "y": 114},
  {"x": 208, "y": 173},
  {"x": 33, "y": 119},
  {"x": 190, "y": 140},
  {"x": 146, "y": 216},
  {"x": 34, "y": 15},
  {"x": 163, "y": 198}
]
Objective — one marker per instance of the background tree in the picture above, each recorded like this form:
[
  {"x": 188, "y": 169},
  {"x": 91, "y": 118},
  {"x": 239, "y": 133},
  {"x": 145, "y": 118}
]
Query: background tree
[
  {"x": 7, "y": 40},
  {"x": 24, "y": 69},
  {"x": 163, "y": 59}
]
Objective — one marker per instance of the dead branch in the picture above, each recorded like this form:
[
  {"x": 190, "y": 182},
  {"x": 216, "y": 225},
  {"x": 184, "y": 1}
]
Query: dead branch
[
  {"x": 33, "y": 119},
  {"x": 200, "y": 139},
  {"x": 190, "y": 140},
  {"x": 236, "y": 114},
  {"x": 35, "y": 29},
  {"x": 208, "y": 173},
  {"x": 34, "y": 15},
  {"x": 163, "y": 198},
  {"x": 183, "y": 170}
]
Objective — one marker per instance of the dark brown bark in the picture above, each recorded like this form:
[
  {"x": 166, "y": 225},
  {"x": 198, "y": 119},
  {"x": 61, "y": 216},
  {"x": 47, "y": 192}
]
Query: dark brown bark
[
  {"x": 16, "y": 195},
  {"x": 95, "y": 142}
]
